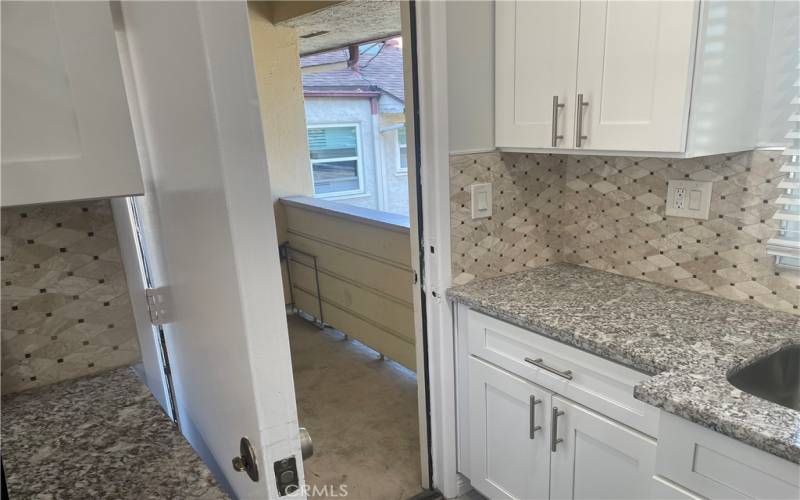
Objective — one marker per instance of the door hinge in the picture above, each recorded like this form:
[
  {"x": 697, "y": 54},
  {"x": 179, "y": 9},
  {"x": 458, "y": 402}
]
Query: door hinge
[{"x": 159, "y": 305}]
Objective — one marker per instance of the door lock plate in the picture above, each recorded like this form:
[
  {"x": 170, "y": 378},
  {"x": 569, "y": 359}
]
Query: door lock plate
[{"x": 286, "y": 476}]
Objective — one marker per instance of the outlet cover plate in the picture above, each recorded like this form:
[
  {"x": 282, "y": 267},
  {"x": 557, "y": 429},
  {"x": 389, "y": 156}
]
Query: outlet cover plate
[
  {"x": 688, "y": 199},
  {"x": 481, "y": 195}
]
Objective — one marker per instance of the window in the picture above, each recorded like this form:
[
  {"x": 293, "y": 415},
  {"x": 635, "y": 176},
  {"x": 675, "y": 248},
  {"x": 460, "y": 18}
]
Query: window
[
  {"x": 402, "y": 147},
  {"x": 335, "y": 160},
  {"x": 786, "y": 245}
]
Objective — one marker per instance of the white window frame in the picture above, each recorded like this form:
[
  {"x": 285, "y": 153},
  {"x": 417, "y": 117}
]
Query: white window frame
[
  {"x": 359, "y": 163},
  {"x": 400, "y": 169}
]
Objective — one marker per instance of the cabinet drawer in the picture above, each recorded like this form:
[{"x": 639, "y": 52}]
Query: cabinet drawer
[
  {"x": 595, "y": 382},
  {"x": 717, "y": 466}
]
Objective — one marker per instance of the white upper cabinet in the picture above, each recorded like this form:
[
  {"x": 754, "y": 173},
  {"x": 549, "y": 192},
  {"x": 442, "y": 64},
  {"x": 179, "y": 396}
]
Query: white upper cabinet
[
  {"x": 634, "y": 73},
  {"x": 540, "y": 87},
  {"x": 660, "y": 77},
  {"x": 66, "y": 126}
]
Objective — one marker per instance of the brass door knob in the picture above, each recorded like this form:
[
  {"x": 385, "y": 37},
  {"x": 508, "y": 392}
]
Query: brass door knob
[{"x": 246, "y": 461}]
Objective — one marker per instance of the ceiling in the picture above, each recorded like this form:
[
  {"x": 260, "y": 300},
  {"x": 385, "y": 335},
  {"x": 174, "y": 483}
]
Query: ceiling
[{"x": 344, "y": 23}]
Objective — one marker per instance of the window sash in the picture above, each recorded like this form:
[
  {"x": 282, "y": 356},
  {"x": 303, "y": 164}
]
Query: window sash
[
  {"x": 359, "y": 172},
  {"x": 402, "y": 150}
]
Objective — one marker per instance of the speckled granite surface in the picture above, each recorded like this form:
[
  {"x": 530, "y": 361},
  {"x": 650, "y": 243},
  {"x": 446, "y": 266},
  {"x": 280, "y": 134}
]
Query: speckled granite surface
[
  {"x": 99, "y": 437},
  {"x": 688, "y": 341}
]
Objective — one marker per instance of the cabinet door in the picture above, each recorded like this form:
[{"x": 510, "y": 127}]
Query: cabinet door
[
  {"x": 536, "y": 50},
  {"x": 597, "y": 457},
  {"x": 507, "y": 460},
  {"x": 634, "y": 69},
  {"x": 66, "y": 125}
]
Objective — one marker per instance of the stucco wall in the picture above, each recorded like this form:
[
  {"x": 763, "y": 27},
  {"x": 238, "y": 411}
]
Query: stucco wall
[
  {"x": 396, "y": 180},
  {"x": 280, "y": 94}
]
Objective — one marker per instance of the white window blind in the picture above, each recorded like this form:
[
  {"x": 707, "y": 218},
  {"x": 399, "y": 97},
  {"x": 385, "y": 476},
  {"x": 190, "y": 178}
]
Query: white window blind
[
  {"x": 335, "y": 160},
  {"x": 786, "y": 245}
]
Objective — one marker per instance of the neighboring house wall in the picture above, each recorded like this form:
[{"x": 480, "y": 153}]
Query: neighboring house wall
[
  {"x": 385, "y": 184},
  {"x": 396, "y": 178},
  {"x": 392, "y": 117}
]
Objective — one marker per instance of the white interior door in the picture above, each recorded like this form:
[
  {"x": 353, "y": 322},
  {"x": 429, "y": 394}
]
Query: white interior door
[
  {"x": 598, "y": 457},
  {"x": 634, "y": 69},
  {"x": 212, "y": 238},
  {"x": 536, "y": 47},
  {"x": 63, "y": 105},
  {"x": 509, "y": 458}
]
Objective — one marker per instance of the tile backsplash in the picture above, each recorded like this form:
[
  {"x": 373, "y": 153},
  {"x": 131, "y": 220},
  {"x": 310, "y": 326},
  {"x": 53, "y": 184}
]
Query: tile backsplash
[
  {"x": 66, "y": 312},
  {"x": 608, "y": 213}
]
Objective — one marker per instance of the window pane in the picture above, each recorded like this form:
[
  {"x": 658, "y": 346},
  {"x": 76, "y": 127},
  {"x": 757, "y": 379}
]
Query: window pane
[
  {"x": 402, "y": 146},
  {"x": 335, "y": 176},
  {"x": 403, "y": 158},
  {"x": 332, "y": 142}
]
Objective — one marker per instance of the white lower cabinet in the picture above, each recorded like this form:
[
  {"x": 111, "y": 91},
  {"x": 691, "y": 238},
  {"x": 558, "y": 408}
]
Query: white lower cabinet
[
  {"x": 527, "y": 443},
  {"x": 510, "y": 456},
  {"x": 540, "y": 419},
  {"x": 595, "y": 457}
]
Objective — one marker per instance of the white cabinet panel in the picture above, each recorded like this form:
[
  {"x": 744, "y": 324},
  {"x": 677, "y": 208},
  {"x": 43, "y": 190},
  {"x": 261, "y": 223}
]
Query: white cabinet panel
[
  {"x": 717, "y": 466},
  {"x": 536, "y": 49},
  {"x": 634, "y": 70},
  {"x": 66, "y": 130},
  {"x": 507, "y": 461},
  {"x": 598, "y": 458}
]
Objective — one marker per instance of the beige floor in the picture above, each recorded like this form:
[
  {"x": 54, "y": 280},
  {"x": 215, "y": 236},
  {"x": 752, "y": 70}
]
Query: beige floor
[{"x": 361, "y": 414}]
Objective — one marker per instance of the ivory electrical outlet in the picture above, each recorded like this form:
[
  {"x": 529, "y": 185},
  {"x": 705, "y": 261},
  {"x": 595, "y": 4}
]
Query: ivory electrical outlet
[
  {"x": 688, "y": 199},
  {"x": 481, "y": 200}
]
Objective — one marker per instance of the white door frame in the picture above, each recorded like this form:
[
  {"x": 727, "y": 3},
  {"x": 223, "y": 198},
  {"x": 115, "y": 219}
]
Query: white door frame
[
  {"x": 431, "y": 37},
  {"x": 431, "y": 59}
]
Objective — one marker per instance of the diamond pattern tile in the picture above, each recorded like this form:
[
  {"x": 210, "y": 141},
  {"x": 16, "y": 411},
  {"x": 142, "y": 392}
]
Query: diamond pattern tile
[
  {"x": 65, "y": 306},
  {"x": 608, "y": 213}
]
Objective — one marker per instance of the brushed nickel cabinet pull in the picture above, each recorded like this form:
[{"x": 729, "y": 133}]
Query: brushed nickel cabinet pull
[
  {"x": 554, "y": 439},
  {"x": 533, "y": 426},
  {"x": 579, "y": 137},
  {"x": 567, "y": 374},
  {"x": 555, "y": 136}
]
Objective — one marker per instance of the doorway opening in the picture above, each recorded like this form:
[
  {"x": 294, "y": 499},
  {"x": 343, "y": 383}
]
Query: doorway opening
[{"x": 333, "y": 88}]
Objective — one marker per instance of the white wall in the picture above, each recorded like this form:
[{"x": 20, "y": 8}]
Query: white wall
[{"x": 470, "y": 75}]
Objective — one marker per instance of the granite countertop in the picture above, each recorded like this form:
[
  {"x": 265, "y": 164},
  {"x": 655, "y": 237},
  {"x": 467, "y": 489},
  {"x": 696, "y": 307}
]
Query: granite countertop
[
  {"x": 688, "y": 341},
  {"x": 100, "y": 437}
]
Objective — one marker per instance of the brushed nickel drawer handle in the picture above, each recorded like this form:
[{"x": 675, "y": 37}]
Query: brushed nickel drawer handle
[
  {"x": 567, "y": 374},
  {"x": 533, "y": 426},
  {"x": 554, "y": 124},
  {"x": 579, "y": 137},
  {"x": 554, "y": 439}
]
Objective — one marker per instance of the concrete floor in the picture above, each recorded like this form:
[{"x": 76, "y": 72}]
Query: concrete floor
[{"x": 361, "y": 414}]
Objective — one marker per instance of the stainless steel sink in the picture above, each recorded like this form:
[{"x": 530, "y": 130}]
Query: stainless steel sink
[{"x": 775, "y": 378}]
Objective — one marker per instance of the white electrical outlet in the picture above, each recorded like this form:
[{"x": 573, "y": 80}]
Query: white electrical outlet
[
  {"x": 688, "y": 199},
  {"x": 481, "y": 200},
  {"x": 680, "y": 198}
]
